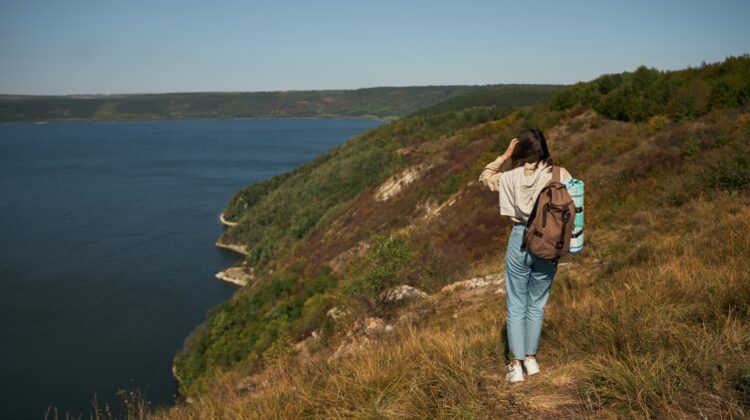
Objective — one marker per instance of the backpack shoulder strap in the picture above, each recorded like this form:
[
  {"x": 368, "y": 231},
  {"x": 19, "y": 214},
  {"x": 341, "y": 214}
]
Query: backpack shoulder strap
[{"x": 555, "y": 173}]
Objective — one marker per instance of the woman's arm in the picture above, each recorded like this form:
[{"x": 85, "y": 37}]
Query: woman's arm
[{"x": 490, "y": 175}]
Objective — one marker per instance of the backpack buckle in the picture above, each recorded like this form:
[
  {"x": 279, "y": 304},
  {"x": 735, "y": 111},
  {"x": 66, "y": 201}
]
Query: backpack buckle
[{"x": 559, "y": 245}]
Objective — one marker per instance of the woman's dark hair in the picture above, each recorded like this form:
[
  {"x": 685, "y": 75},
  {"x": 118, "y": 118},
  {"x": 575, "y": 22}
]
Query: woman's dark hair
[{"x": 531, "y": 148}]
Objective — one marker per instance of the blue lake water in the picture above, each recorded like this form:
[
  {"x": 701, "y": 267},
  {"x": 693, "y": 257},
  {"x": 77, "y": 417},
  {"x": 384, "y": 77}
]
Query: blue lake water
[{"x": 107, "y": 259}]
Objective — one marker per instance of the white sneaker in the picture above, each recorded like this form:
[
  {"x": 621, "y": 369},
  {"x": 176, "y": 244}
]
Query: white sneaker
[
  {"x": 515, "y": 373},
  {"x": 531, "y": 365}
]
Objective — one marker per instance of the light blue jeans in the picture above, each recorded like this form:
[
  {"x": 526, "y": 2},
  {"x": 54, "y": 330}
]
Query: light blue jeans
[{"x": 528, "y": 280}]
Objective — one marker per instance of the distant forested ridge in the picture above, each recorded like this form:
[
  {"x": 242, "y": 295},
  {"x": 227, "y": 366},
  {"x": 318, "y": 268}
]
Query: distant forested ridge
[{"x": 381, "y": 103}]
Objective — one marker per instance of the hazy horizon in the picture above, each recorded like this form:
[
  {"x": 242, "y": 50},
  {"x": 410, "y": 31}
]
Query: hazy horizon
[
  {"x": 279, "y": 90},
  {"x": 84, "y": 47}
]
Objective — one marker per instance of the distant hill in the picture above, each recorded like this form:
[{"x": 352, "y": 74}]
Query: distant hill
[{"x": 382, "y": 103}]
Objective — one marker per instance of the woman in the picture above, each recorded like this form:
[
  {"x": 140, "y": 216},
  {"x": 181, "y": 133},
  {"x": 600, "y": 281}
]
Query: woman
[{"x": 527, "y": 278}]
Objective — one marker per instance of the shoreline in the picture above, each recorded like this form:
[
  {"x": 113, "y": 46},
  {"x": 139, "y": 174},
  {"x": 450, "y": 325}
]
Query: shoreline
[
  {"x": 322, "y": 117},
  {"x": 225, "y": 222},
  {"x": 223, "y": 276},
  {"x": 240, "y": 249},
  {"x": 235, "y": 275},
  {"x": 242, "y": 280}
]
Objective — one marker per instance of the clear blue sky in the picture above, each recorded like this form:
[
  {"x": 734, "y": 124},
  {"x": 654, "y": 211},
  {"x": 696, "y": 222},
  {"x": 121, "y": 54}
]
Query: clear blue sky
[{"x": 134, "y": 46}]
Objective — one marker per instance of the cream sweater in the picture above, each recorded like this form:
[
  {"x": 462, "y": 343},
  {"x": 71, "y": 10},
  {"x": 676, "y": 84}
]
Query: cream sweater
[{"x": 518, "y": 188}]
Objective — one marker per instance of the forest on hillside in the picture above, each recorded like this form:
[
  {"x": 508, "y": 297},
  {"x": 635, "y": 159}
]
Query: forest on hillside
[{"x": 382, "y": 103}]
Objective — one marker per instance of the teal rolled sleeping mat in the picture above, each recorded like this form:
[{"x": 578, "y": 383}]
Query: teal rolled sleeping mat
[{"x": 575, "y": 189}]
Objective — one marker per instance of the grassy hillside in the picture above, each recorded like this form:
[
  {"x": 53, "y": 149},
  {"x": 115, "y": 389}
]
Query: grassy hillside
[
  {"x": 385, "y": 102},
  {"x": 274, "y": 215},
  {"x": 651, "y": 320}
]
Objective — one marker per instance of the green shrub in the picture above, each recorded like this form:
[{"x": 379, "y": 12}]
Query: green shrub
[
  {"x": 742, "y": 386},
  {"x": 657, "y": 123},
  {"x": 451, "y": 184},
  {"x": 683, "y": 94},
  {"x": 690, "y": 148},
  {"x": 389, "y": 263},
  {"x": 729, "y": 171},
  {"x": 313, "y": 314}
]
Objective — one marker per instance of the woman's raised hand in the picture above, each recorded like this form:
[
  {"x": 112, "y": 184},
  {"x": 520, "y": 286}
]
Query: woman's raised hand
[{"x": 509, "y": 151}]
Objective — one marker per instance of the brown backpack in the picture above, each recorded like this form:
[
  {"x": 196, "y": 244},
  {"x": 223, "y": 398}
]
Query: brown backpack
[{"x": 550, "y": 225}]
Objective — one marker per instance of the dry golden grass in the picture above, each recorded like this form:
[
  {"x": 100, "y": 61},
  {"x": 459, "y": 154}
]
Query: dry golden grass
[{"x": 662, "y": 335}]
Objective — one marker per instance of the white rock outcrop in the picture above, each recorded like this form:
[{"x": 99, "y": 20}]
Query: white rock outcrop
[
  {"x": 363, "y": 333},
  {"x": 396, "y": 183},
  {"x": 491, "y": 280},
  {"x": 240, "y": 276},
  {"x": 226, "y": 222},
  {"x": 400, "y": 293},
  {"x": 240, "y": 249},
  {"x": 335, "y": 313}
]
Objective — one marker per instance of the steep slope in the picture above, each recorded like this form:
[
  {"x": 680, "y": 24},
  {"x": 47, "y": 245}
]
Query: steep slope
[
  {"x": 384, "y": 102},
  {"x": 651, "y": 320},
  {"x": 272, "y": 215}
]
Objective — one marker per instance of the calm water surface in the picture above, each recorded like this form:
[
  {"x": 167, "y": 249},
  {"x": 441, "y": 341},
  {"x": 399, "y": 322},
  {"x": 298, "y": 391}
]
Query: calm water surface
[{"x": 106, "y": 246}]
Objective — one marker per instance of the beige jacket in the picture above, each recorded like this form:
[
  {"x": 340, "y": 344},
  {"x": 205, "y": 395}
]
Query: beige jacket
[{"x": 517, "y": 188}]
